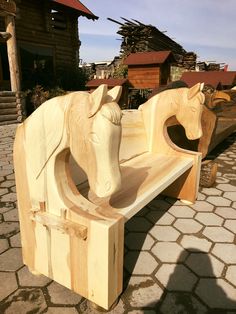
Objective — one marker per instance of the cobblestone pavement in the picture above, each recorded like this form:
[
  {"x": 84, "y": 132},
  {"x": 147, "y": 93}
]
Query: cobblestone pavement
[{"x": 178, "y": 259}]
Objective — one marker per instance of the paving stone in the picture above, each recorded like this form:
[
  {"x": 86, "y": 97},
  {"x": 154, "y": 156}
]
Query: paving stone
[
  {"x": 11, "y": 260},
  {"x": 85, "y": 307},
  {"x": 7, "y": 184},
  {"x": 140, "y": 263},
  {"x": 230, "y": 195},
  {"x": 9, "y": 286},
  {"x": 3, "y": 244},
  {"x": 221, "y": 180},
  {"x": 16, "y": 240},
  {"x": 201, "y": 197},
  {"x": 61, "y": 310},
  {"x": 138, "y": 224},
  {"x": 209, "y": 219},
  {"x": 169, "y": 252},
  {"x": 30, "y": 300},
  {"x": 218, "y": 201},
  {"x": 176, "y": 277},
  {"x": 27, "y": 279},
  {"x": 231, "y": 274},
  {"x": 211, "y": 191},
  {"x": 13, "y": 189},
  {"x": 4, "y": 173},
  {"x": 226, "y": 212},
  {"x": 156, "y": 215},
  {"x": 11, "y": 215},
  {"x": 202, "y": 206},
  {"x": 216, "y": 293},
  {"x": 231, "y": 225},
  {"x": 218, "y": 234},
  {"x": 138, "y": 241},
  {"x": 226, "y": 187},
  {"x": 166, "y": 219},
  {"x": 143, "y": 292},
  {"x": 164, "y": 233},
  {"x": 234, "y": 205},
  {"x": 187, "y": 225},
  {"x": 6, "y": 208},
  {"x": 62, "y": 295},
  {"x": 10, "y": 197},
  {"x": 193, "y": 243},
  {"x": 181, "y": 303},
  {"x": 143, "y": 212},
  {"x": 230, "y": 176},
  {"x": 182, "y": 211},
  {"x": 159, "y": 204},
  {"x": 3, "y": 191},
  {"x": 9, "y": 228},
  {"x": 11, "y": 177},
  {"x": 204, "y": 265},
  {"x": 226, "y": 252}
]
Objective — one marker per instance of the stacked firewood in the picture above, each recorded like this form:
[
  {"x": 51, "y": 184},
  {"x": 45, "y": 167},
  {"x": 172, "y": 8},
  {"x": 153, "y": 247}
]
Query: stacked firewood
[{"x": 139, "y": 37}]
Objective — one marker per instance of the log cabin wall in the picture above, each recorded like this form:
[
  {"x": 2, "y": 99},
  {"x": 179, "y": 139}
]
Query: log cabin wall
[{"x": 47, "y": 38}]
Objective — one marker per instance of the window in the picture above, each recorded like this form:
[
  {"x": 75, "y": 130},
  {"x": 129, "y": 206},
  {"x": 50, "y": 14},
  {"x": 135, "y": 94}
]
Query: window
[
  {"x": 58, "y": 20},
  {"x": 37, "y": 65}
]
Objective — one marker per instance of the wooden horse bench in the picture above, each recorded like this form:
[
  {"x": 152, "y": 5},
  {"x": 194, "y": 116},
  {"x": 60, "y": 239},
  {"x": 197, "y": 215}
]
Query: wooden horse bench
[{"x": 75, "y": 235}]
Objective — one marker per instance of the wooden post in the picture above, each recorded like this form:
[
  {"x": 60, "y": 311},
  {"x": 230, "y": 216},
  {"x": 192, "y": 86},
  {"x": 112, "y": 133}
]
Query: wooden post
[{"x": 12, "y": 53}]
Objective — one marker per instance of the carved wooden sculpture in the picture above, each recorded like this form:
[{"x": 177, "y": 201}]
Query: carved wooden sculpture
[{"x": 76, "y": 236}]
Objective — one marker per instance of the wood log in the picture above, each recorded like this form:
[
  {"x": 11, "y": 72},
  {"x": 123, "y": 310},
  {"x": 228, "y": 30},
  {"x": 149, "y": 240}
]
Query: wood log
[{"x": 12, "y": 54}]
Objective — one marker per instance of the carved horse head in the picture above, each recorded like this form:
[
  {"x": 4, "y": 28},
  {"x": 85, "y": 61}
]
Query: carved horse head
[
  {"x": 189, "y": 110},
  {"x": 89, "y": 125},
  {"x": 95, "y": 134}
]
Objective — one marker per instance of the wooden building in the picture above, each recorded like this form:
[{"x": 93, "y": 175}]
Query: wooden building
[
  {"x": 39, "y": 44},
  {"x": 47, "y": 42},
  {"x": 149, "y": 69}
]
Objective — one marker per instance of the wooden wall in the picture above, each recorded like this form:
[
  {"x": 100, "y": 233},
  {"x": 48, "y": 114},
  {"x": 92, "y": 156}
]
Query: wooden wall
[
  {"x": 35, "y": 28},
  {"x": 144, "y": 76}
]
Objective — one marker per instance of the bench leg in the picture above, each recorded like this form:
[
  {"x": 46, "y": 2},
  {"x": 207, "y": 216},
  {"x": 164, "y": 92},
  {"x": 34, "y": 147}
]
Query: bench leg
[{"x": 186, "y": 186}]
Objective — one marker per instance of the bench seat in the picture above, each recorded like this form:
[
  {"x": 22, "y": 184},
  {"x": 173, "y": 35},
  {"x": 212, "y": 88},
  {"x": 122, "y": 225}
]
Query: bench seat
[{"x": 143, "y": 178}]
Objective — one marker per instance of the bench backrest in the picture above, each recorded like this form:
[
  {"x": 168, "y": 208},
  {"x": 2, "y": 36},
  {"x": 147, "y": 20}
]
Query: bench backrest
[{"x": 134, "y": 138}]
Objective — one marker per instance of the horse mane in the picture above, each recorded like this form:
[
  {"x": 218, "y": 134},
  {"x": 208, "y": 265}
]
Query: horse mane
[{"x": 111, "y": 111}]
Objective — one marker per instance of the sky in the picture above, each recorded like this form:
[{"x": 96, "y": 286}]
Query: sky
[{"x": 207, "y": 27}]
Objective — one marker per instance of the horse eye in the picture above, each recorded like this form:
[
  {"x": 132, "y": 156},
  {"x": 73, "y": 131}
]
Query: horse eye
[
  {"x": 94, "y": 138},
  {"x": 193, "y": 109}
]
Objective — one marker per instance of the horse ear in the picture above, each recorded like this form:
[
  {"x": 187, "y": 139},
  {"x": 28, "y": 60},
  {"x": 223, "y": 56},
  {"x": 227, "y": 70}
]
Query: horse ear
[
  {"x": 114, "y": 94},
  {"x": 97, "y": 99},
  {"x": 194, "y": 90}
]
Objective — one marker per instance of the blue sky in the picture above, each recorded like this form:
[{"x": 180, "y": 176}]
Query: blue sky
[{"x": 207, "y": 27}]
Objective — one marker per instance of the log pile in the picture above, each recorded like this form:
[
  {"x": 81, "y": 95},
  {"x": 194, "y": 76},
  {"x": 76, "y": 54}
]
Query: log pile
[{"x": 139, "y": 37}]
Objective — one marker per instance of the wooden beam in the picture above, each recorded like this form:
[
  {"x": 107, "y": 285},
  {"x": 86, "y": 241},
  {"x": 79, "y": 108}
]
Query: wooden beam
[{"x": 12, "y": 53}]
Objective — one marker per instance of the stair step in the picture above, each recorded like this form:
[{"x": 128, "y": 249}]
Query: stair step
[
  {"x": 8, "y": 117},
  {"x": 7, "y": 105},
  {"x": 8, "y": 111}
]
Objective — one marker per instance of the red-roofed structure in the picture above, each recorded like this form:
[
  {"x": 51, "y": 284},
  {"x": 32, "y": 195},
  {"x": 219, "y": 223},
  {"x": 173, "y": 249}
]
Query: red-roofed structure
[
  {"x": 218, "y": 79},
  {"x": 149, "y": 69},
  {"x": 152, "y": 57},
  {"x": 78, "y": 6},
  {"x": 123, "y": 102}
]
